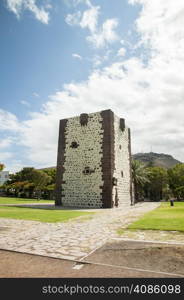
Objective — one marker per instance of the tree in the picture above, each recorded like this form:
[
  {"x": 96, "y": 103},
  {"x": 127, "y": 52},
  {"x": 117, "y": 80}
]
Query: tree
[
  {"x": 52, "y": 173},
  {"x": 2, "y": 166},
  {"x": 176, "y": 180},
  {"x": 158, "y": 184},
  {"x": 140, "y": 177},
  {"x": 40, "y": 180},
  {"x": 28, "y": 181}
]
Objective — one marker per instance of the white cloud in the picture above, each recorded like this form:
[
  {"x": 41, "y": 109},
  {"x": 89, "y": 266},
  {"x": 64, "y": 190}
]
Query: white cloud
[
  {"x": 105, "y": 35},
  {"x": 40, "y": 13},
  {"x": 77, "y": 2},
  {"x": 99, "y": 36},
  {"x": 99, "y": 59},
  {"x": 26, "y": 103},
  {"x": 73, "y": 19},
  {"x": 41, "y": 147},
  {"x": 90, "y": 18},
  {"x": 5, "y": 155},
  {"x": 161, "y": 26},
  {"x": 8, "y": 121},
  {"x": 87, "y": 19},
  {"x": 75, "y": 55},
  {"x": 5, "y": 143},
  {"x": 121, "y": 52},
  {"x": 14, "y": 165},
  {"x": 36, "y": 95}
]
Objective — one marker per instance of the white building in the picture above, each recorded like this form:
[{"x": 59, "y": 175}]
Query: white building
[{"x": 4, "y": 176}]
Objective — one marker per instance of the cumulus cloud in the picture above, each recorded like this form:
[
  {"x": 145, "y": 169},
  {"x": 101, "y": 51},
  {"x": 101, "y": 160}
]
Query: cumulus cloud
[
  {"x": 99, "y": 36},
  {"x": 8, "y": 121},
  {"x": 75, "y": 3},
  {"x": 14, "y": 165},
  {"x": 40, "y": 13},
  {"x": 121, "y": 52},
  {"x": 41, "y": 147},
  {"x": 73, "y": 19},
  {"x": 5, "y": 143},
  {"x": 87, "y": 19},
  {"x": 5, "y": 155},
  {"x": 105, "y": 35},
  {"x": 90, "y": 18},
  {"x": 99, "y": 59}
]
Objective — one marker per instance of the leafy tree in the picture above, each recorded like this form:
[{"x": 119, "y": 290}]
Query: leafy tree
[
  {"x": 28, "y": 181},
  {"x": 180, "y": 192},
  {"x": 176, "y": 180},
  {"x": 52, "y": 173},
  {"x": 140, "y": 177},
  {"x": 2, "y": 166},
  {"x": 26, "y": 174},
  {"x": 157, "y": 185},
  {"x": 40, "y": 180}
]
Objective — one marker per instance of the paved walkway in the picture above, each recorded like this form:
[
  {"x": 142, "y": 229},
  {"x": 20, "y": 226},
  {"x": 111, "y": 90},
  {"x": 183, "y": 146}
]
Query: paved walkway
[{"x": 72, "y": 240}]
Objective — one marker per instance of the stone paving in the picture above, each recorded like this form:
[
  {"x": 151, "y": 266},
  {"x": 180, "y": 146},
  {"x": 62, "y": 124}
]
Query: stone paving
[{"x": 72, "y": 240}]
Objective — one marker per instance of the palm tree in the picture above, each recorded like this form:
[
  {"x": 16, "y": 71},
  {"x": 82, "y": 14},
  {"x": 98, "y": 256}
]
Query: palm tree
[{"x": 139, "y": 177}]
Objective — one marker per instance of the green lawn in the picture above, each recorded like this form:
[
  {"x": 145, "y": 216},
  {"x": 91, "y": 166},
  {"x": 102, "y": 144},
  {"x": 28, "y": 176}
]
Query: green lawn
[
  {"x": 42, "y": 215},
  {"x": 5, "y": 200},
  {"x": 165, "y": 217}
]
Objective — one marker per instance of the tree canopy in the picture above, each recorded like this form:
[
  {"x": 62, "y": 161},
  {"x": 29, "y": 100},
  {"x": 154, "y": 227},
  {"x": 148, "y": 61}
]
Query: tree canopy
[
  {"x": 2, "y": 166},
  {"x": 176, "y": 181},
  {"x": 31, "y": 182},
  {"x": 157, "y": 183}
]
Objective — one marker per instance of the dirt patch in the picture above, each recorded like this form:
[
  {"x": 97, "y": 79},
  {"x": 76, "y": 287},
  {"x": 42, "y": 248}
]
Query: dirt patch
[
  {"x": 146, "y": 260},
  {"x": 141, "y": 255},
  {"x": 20, "y": 265}
]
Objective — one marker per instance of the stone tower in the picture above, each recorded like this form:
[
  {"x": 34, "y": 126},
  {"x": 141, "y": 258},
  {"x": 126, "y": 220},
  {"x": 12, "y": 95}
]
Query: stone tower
[{"x": 94, "y": 162}]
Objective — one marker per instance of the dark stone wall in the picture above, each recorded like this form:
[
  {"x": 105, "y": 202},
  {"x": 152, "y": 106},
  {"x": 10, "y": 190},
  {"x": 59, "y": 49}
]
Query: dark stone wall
[
  {"x": 130, "y": 162},
  {"x": 107, "y": 158},
  {"x": 60, "y": 162}
]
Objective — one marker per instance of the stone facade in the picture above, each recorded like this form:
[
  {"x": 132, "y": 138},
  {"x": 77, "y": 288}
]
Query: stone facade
[
  {"x": 94, "y": 161},
  {"x": 122, "y": 170}
]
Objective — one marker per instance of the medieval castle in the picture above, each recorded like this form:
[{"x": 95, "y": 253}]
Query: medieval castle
[{"x": 94, "y": 162}]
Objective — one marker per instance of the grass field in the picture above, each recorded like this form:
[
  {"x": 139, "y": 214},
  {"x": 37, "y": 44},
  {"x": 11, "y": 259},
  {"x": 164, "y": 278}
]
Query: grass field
[
  {"x": 165, "y": 217},
  {"x": 5, "y": 200},
  {"x": 42, "y": 215}
]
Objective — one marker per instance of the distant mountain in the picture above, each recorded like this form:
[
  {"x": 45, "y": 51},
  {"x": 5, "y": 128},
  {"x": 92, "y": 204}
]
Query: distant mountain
[{"x": 157, "y": 159}]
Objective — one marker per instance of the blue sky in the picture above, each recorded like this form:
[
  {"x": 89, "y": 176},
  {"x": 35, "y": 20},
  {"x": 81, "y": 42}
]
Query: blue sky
[{"x": 63, "y": 57}]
